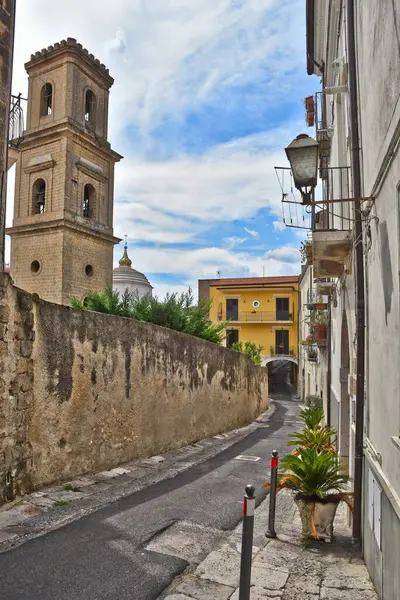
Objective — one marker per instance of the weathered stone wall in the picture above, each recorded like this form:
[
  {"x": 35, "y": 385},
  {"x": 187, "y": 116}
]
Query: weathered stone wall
[
  {"x": 107, "y": 390},
  {"x": 16, "y": 390}
]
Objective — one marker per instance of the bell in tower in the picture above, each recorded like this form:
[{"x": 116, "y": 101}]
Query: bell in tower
[{"x": 62, "y": 233}]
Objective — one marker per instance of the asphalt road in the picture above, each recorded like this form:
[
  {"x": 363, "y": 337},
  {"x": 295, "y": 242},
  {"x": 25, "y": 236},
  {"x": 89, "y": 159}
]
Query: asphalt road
[{"x": 104, "y": 555}]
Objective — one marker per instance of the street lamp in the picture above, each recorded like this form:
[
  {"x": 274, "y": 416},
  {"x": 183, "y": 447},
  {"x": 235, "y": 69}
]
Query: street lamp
[{"x": 302, "y": 154}]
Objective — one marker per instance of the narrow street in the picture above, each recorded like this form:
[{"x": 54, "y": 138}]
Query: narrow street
[{"x": 105, "y": 555}]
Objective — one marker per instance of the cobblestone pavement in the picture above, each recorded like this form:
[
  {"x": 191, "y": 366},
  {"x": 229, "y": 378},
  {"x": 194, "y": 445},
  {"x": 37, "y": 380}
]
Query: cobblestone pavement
[{"x": 282, "y": 568}]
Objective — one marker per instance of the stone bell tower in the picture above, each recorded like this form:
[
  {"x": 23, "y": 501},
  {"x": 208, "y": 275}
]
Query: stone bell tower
[{"x": 62, "y": 234}]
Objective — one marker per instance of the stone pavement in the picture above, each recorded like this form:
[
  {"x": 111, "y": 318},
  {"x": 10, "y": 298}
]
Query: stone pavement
[{"x": 282, "y": 568}]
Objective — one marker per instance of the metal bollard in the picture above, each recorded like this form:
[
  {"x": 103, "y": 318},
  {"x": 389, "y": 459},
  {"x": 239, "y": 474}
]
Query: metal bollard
[
  {"x": 271, "y": 533},
  {"x": 247, "y": 543}
]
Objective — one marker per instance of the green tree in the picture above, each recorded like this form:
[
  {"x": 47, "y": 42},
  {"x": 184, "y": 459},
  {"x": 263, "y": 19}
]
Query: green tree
[
  {"x": 176, "y": 311},
  {"x": 251, "y": 349}
]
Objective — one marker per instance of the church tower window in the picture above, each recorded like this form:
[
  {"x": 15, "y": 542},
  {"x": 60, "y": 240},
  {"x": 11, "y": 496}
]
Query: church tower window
[
  {"x": 39, "y": 197},
  {"x": 46, "y": 100},
  {"x": 90, "y": 107},
  {"x": 88, "y": 201}
]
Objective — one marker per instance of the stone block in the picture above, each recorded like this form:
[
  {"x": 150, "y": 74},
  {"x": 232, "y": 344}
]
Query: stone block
[
  {"x": 4, "y": 314},
  {"x": 257, "y": 593},
  {"x": 178, "y": 597},
  {"x": 24, "y": 301},
  {"x": 188, "y": 541},
  {"x": 201, "y": 589},
  {"x": 339, "y": 594},
  {"x": 347, "y": 576},
  {"x": 267, "y": 578},
  {"x": 26, "y": 348},
  {"x": 221, "y": 566}
]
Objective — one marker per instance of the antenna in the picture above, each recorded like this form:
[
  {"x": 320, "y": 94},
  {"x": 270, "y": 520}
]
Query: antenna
[{"x": 218, "y": 273}]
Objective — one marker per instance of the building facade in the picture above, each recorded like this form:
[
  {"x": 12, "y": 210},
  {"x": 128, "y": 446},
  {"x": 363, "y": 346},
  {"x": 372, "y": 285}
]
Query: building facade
[
  {"x": 357, "y": 126},
  {"x": 129, "y": 281},
  {"x": 263, "y": 310},
  {"x": 313, "y": 337},
  {"x": 62, "y": 233}
]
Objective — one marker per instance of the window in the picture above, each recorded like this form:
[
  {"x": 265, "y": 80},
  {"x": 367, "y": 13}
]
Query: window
[
  {"x": 46, "y": 100},
  {"x": 89, "y": 271},
  {"x": 90, "y": 107},
  {"x": 256, "y": 304},
  {"x": 39, "y": 197},
  {"x": 232, "y": 336},
  {"x": 88, "y": 201},
  {"x": 282, "y": 309},
  {"x": 232, "y": 307}
]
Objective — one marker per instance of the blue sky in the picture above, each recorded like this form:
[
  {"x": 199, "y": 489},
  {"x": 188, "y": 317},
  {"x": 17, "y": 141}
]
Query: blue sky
[{"x": 207, "y": 94}]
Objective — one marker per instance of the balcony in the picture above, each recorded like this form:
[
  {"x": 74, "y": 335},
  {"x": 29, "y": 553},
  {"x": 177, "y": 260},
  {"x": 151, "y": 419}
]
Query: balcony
[
  {"x": 333, "y": 224},
  {"x": 257, "y": 317},
  {"x": 324, "y": 286}
]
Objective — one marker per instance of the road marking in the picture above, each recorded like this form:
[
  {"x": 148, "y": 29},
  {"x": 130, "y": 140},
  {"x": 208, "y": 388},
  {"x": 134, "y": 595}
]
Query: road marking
[{"x": 248, "y": 458}]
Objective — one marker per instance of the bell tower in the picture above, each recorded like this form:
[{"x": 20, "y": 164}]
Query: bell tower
[{"x": 62, "y": 233}]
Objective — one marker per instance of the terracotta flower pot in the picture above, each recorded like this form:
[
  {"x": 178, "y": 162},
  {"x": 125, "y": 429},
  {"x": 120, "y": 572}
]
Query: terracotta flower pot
[
  {"x": 324, "y": 515},
  {"x": 320, "y": 306},
  {"x": 320, "y": 331},
  {"x": 309, "y": 254}
]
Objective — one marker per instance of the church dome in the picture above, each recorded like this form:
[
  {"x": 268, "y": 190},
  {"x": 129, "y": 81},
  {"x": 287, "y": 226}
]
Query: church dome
[{"x": 127, "y": 279}]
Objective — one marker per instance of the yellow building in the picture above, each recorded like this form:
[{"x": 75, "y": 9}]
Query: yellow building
[{"x": 263, "y": 310}]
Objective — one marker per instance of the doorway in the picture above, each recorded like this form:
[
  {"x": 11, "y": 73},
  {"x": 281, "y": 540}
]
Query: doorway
[{"x": 282, "y": 341}]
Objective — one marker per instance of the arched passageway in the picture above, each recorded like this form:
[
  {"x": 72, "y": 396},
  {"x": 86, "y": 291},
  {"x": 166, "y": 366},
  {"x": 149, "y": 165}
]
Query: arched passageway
[{"x": 282, "y": 377}]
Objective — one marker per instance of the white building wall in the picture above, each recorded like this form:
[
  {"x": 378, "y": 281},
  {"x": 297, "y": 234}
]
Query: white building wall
[{"x": 136, "y": 288}]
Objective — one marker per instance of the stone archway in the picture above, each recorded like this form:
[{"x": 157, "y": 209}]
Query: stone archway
[
  {"x": 282, "y": 374},
  {"x": 344, "y": 412}
]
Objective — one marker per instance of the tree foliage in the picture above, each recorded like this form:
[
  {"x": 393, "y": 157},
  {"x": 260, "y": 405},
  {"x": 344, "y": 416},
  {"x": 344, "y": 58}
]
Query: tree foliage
[
  {"x": 251, "y": 349},
  {"x": 176, "y": 311}
]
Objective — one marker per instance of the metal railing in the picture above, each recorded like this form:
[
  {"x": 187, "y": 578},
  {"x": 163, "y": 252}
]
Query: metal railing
[
  {"x": 16, "y": 121},
  {"x": 257, "y": 317},
  {"x": 333, "y": 212}
]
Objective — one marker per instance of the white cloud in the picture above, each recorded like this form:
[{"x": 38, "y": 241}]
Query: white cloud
[
  {"x": 285, "y": 254},
  {"x": 279, "y": 225},
  {"x": 168, "y": 57},
  {"x": 252, "y": 232},
  {"x": 234, "y": 241},
  {"x": 118, "y": 43},
  {"x": 204, "y": 263},
  {"x": 229, "y": 181}
]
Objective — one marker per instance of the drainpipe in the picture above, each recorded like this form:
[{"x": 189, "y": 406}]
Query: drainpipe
[
  {"x": 359, "y": 272},
  {"x": 329, "y": 374}
]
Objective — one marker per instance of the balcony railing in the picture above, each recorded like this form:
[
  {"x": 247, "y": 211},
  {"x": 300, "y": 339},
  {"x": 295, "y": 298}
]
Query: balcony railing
[
  {"x": 334, "y": 212},
  {"x": 257, "y": 317},
  {"x": 16, "y": 122}
]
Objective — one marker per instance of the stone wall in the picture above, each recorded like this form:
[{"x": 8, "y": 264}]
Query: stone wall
[
  {"x": 16, "y": 390},
  {"x": 82, "y": 392}
]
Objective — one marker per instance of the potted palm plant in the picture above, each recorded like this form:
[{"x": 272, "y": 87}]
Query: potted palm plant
[
  {"x": 320, "y": 484},
  {"x": 313, "y": 471}
]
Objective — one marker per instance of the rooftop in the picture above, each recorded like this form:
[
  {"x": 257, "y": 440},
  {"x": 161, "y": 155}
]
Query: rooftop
[
  {"x": 70, "y": 45},
  {"x": 256, "y": 280}
]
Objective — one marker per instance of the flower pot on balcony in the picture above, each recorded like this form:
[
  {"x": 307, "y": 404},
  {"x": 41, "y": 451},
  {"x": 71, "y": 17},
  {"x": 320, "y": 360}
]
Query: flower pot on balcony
[
  {"x": 320, "y": 331},
  {"x": 321, "y": 306},
  {"x": 309, "y": 255}
]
